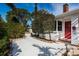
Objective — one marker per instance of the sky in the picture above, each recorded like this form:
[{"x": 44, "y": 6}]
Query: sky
[{"x": 54, "y": 8}]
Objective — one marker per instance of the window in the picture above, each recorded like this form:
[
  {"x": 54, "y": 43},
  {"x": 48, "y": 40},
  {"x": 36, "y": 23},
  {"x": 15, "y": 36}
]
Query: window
[
  {"x": 55, "y": 26},
  {"x": 59, "y": 26}
]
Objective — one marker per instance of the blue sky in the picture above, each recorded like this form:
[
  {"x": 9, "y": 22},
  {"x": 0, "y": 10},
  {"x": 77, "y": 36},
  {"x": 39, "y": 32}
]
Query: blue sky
[{"x": 55, "y": 8}]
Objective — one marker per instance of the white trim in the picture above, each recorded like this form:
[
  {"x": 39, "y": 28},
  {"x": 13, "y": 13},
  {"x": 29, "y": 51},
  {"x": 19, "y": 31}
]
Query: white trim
[
  {"x": 56, "y": 25},
  {"x": 63, "y": 28}
]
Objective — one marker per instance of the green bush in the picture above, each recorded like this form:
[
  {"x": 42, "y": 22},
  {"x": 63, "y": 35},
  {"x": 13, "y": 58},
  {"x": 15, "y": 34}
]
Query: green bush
[
  {"x": 4, "y": 41},
  {"x": 16, "y": 30}
]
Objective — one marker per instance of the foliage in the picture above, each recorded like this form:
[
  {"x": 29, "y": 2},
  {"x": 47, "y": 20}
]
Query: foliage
[
  {"x": 37, "y": 22},
  {"x": 16, "y": 22},
  {"x": 49, "y": 23},
  {"x": 4, "y": 46},
  {"x": 4, "y": 41},
  {"x": 22, "y": 15},
  {"x": 16, "y": 30},
  {"x": 43, "y": 22}
]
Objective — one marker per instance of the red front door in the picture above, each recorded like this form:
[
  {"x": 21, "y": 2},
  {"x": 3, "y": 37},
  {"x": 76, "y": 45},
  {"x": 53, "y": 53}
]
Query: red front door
[{"x": 68, "y": 30}]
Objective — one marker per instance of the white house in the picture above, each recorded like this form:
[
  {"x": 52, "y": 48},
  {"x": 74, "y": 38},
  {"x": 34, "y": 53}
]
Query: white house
[{"x": 67, "y": 25}]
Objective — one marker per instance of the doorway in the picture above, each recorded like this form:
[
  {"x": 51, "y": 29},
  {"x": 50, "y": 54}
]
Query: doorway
[{"x": 68, "y": 30}]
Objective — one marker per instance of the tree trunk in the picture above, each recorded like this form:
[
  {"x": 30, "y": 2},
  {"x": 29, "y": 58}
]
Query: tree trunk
[
  {"x": 66, "y": 53},
  {"x": 50, "y": 35},
  {"x": 38, "y": 34}
]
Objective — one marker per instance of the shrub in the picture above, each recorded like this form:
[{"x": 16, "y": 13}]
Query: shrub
[
  {"x": 4, "y": 50},
  {"x": 4, "y": 41},
  {"x": 16, "y": 30}
]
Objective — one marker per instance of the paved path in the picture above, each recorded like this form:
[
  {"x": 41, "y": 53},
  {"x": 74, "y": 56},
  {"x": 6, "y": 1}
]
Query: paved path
[{"x": 30, "y": 46}]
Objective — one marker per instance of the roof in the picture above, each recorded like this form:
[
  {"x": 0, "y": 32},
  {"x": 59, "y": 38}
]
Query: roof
[{"x": 67, "y": 14}]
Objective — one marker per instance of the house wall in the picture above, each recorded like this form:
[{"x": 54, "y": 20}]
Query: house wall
[
  {"x": 59, "y": 34},
  {"x": 54, "y": 36},
  {"x": 75, "y": 33},
  {"x": 62, "y": 32}
]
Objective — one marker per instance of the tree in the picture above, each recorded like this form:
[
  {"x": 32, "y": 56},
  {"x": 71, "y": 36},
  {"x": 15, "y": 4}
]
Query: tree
[
  {"x": 16, "y": 22},
  {"x": 37, "y": 25},
  {"x": 44, "y": 22},
  {"x": 48, "y": 24}
]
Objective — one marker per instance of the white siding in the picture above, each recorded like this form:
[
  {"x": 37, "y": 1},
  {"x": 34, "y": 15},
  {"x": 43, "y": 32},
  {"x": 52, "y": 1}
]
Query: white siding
[{"x": 75, "y": 38}]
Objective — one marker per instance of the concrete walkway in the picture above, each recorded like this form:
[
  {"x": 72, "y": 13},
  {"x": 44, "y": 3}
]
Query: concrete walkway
[{"x": 29, "y": 46}]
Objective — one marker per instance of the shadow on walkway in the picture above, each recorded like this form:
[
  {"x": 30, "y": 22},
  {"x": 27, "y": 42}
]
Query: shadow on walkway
[
  {"x": 44, "y": 51},
  {"x": 15, "y": 50}
]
